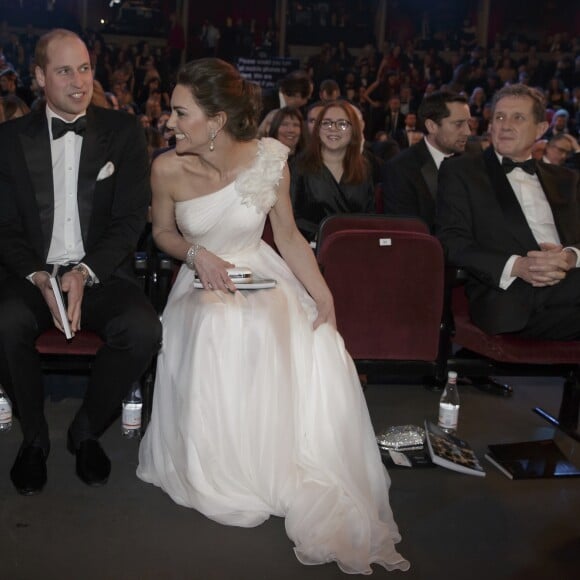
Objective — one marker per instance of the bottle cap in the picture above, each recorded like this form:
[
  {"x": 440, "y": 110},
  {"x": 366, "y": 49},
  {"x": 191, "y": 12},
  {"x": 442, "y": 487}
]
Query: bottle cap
[{"x": 451, "y": 375}]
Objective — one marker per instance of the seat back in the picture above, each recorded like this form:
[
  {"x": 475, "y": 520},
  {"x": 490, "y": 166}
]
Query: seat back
[{"x": 387, "y": 278}]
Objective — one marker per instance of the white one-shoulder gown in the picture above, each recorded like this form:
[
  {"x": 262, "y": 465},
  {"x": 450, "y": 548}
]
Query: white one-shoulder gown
[{"x": 255, "y": 413}]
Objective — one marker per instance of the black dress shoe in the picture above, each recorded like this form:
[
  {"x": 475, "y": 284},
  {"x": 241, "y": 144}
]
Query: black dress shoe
[
  {"x": 92, "y": 464},
  {"x": 28, "y": 474}
]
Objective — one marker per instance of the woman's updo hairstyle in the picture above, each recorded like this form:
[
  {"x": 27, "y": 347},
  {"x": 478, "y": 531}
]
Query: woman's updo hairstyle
[{"x": 218, "y": 86}]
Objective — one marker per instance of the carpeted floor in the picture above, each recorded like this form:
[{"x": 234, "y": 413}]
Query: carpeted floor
[{"x": 454, "y": 526}]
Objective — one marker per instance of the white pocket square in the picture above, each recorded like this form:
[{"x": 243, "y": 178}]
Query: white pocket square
[{"x": 106, "y": 171}]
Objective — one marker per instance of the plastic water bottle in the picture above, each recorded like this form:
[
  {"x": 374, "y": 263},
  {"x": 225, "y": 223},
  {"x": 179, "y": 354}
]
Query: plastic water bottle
[
  {"x": 449, "y": 405},
  {"x": 5, "y": 411},
  {"x": 131, "y": 415}
]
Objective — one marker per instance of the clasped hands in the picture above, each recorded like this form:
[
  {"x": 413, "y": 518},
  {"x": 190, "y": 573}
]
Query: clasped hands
[
  {"x": 72, "y": 284},
  {"x": 545, "y": 267}
]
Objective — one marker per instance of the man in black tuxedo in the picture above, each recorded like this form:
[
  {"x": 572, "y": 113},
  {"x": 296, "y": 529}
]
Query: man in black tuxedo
[
  {"x": 514, "y": 224},
  {"x": 394, "y": 119},
  {"x": 294, "y": 90},
  {"x": 410, "y": 178},
  {"x": 74, "y": 193}
]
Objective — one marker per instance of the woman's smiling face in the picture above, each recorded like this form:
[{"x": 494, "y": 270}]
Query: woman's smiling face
[{"x": 335, "y": 129}]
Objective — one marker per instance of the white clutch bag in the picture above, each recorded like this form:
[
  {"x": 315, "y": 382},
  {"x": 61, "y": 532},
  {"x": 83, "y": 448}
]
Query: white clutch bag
[{"x": 243, "y": 279}]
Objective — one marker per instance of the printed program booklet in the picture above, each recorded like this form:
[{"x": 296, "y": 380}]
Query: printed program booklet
[
  {"x": 532, "y": 460},
  {"x": 451, "y": 452},
  {"x": 55, "y": 284}
]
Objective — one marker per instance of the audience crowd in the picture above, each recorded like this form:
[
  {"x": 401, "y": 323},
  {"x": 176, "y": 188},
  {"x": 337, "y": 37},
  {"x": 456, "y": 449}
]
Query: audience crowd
[{"x": 385, "y": 88}]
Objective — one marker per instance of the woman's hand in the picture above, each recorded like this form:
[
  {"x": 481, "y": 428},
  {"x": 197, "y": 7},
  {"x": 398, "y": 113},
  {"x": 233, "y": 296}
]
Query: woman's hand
[
  {"x": 211, "y": 270},
  {"x": 325, "y": 313}
]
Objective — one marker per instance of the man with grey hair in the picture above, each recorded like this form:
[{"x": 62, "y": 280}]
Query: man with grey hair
[{"x": 513, "y": 223}]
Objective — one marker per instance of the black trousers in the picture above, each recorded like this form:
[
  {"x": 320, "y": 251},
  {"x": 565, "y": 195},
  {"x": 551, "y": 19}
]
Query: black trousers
[
  {"x": 556, "y": 310},
  {"x": 117, "y": 310}
]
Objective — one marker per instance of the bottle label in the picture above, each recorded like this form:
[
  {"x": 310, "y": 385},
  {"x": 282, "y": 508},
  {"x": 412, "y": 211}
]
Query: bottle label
[
  {"x": 131, "y": 418},
  {"x": 5, "y": 412},
  {"x": 448, "y": 415}
]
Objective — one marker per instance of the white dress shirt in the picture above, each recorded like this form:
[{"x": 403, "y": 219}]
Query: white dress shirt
[
  {"x": 537, "y": 212},
  {"x": 66, "y": 246},
  {"x": 437, "y": 155}
]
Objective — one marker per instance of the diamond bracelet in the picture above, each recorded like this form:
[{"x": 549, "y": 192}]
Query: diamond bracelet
[{"x": 192, "y": 255}]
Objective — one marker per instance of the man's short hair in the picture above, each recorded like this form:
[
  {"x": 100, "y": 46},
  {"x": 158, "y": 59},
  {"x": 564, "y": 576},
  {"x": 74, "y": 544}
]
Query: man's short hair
[
  {"x": 520, "y": 90},
  {"x": 41, "y": 49},
  {"x": 434, "y": 106},
  {"x": 295, "y": 83},
  {"x": 329, "y": 86},
  {"x": 9, "y": 73},
  {"x": 553, "y": 142}
]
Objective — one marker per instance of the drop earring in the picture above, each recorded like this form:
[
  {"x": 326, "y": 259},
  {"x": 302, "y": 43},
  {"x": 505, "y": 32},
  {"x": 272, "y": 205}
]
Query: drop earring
[{"x": 212, "y": 141}]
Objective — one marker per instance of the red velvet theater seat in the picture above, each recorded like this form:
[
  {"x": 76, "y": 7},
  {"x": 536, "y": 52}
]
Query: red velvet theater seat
[
  {"x": 387, "y": 278},
  {"x": 514, "y": 355},
  {"x": 54, "y": 347}
]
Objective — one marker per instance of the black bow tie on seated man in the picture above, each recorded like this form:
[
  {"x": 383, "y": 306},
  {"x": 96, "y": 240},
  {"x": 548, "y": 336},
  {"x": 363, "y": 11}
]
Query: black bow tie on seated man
[
  {"x": 60, "y": 127},
  {"x": 529, "y": 166}
]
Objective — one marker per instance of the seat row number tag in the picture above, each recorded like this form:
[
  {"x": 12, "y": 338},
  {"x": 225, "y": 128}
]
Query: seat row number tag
[{"x": 385, "y": 242}]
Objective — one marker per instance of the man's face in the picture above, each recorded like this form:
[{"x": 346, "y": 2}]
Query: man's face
[
  {"x": 295, "y": 100},
  {"x": 560, "y": 122},
  {"x": 411, "y": 120},
  {"x": 67, "y": 79},
  {"x": 513, "y": 128},
  {"x": 450, "y": 135},
  {"x": 311, "y": 118},
  {"x": 558, "y": 151},
  {"x": 8, "y": 83}
]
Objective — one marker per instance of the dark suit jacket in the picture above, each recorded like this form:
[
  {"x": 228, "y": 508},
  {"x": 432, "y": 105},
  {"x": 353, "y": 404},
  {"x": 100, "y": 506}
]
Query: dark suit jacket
[
  {"x": 410, "y": 184},
  {"x": 480, "y": 224},
  {"x": 112, "y": 211},
  {"x": 394, "y": 124}
]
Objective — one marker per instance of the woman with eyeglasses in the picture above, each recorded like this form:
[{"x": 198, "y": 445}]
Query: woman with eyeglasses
[{"x": 332, "y": 175}]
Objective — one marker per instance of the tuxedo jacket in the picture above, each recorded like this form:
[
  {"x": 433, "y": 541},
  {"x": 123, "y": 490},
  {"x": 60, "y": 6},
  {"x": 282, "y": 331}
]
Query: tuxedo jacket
[
  {"x": 481, "y": 224},
  {"x": 394, "y": 124},
  {"x": 410, "y": 184},
  {"x": 113, "y": 193}
]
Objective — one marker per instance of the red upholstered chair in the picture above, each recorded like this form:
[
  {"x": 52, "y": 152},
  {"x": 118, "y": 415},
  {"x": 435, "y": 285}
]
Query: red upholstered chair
[
  {"x": 379, "y": 203},
  {"x": 77, "y": 353},
  {"x": 387, "y": 278},
  {"x": 512, "y": 355}
]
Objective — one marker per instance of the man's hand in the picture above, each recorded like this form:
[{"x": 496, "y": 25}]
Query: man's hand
[
  {"x": 42, "y": 281},
  {"x": 546, "y": 267},
  {"x": 73, "y": 285}
]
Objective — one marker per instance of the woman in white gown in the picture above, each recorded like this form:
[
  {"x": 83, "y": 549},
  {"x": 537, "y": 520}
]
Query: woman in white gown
[{"x": 258, "y": 410}]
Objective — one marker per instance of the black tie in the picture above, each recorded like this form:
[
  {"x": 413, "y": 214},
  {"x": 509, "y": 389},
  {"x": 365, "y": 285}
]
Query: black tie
[
  {"x": 529, "y": 166},
  {"x": 60, "y": 128}
]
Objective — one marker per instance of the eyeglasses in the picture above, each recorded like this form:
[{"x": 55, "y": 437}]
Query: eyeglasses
[{"x": 340, "y": 124}]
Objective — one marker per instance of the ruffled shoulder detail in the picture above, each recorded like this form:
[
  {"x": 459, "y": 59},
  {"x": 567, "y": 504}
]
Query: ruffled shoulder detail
[{"x": 257, "y": 185}]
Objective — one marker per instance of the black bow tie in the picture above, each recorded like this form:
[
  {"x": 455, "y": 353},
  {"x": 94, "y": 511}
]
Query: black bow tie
[
  {"x": 529, "y": 166},
  {"x": 60, "y": 128}
]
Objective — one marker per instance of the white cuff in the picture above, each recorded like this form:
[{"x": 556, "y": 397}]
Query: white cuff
[
  {"x": 506, "y": 275},
  {"x": 577, "y": 252}
]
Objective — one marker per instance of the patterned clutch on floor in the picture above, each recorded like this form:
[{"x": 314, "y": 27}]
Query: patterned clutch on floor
[{"x": 401, "y": 438}]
